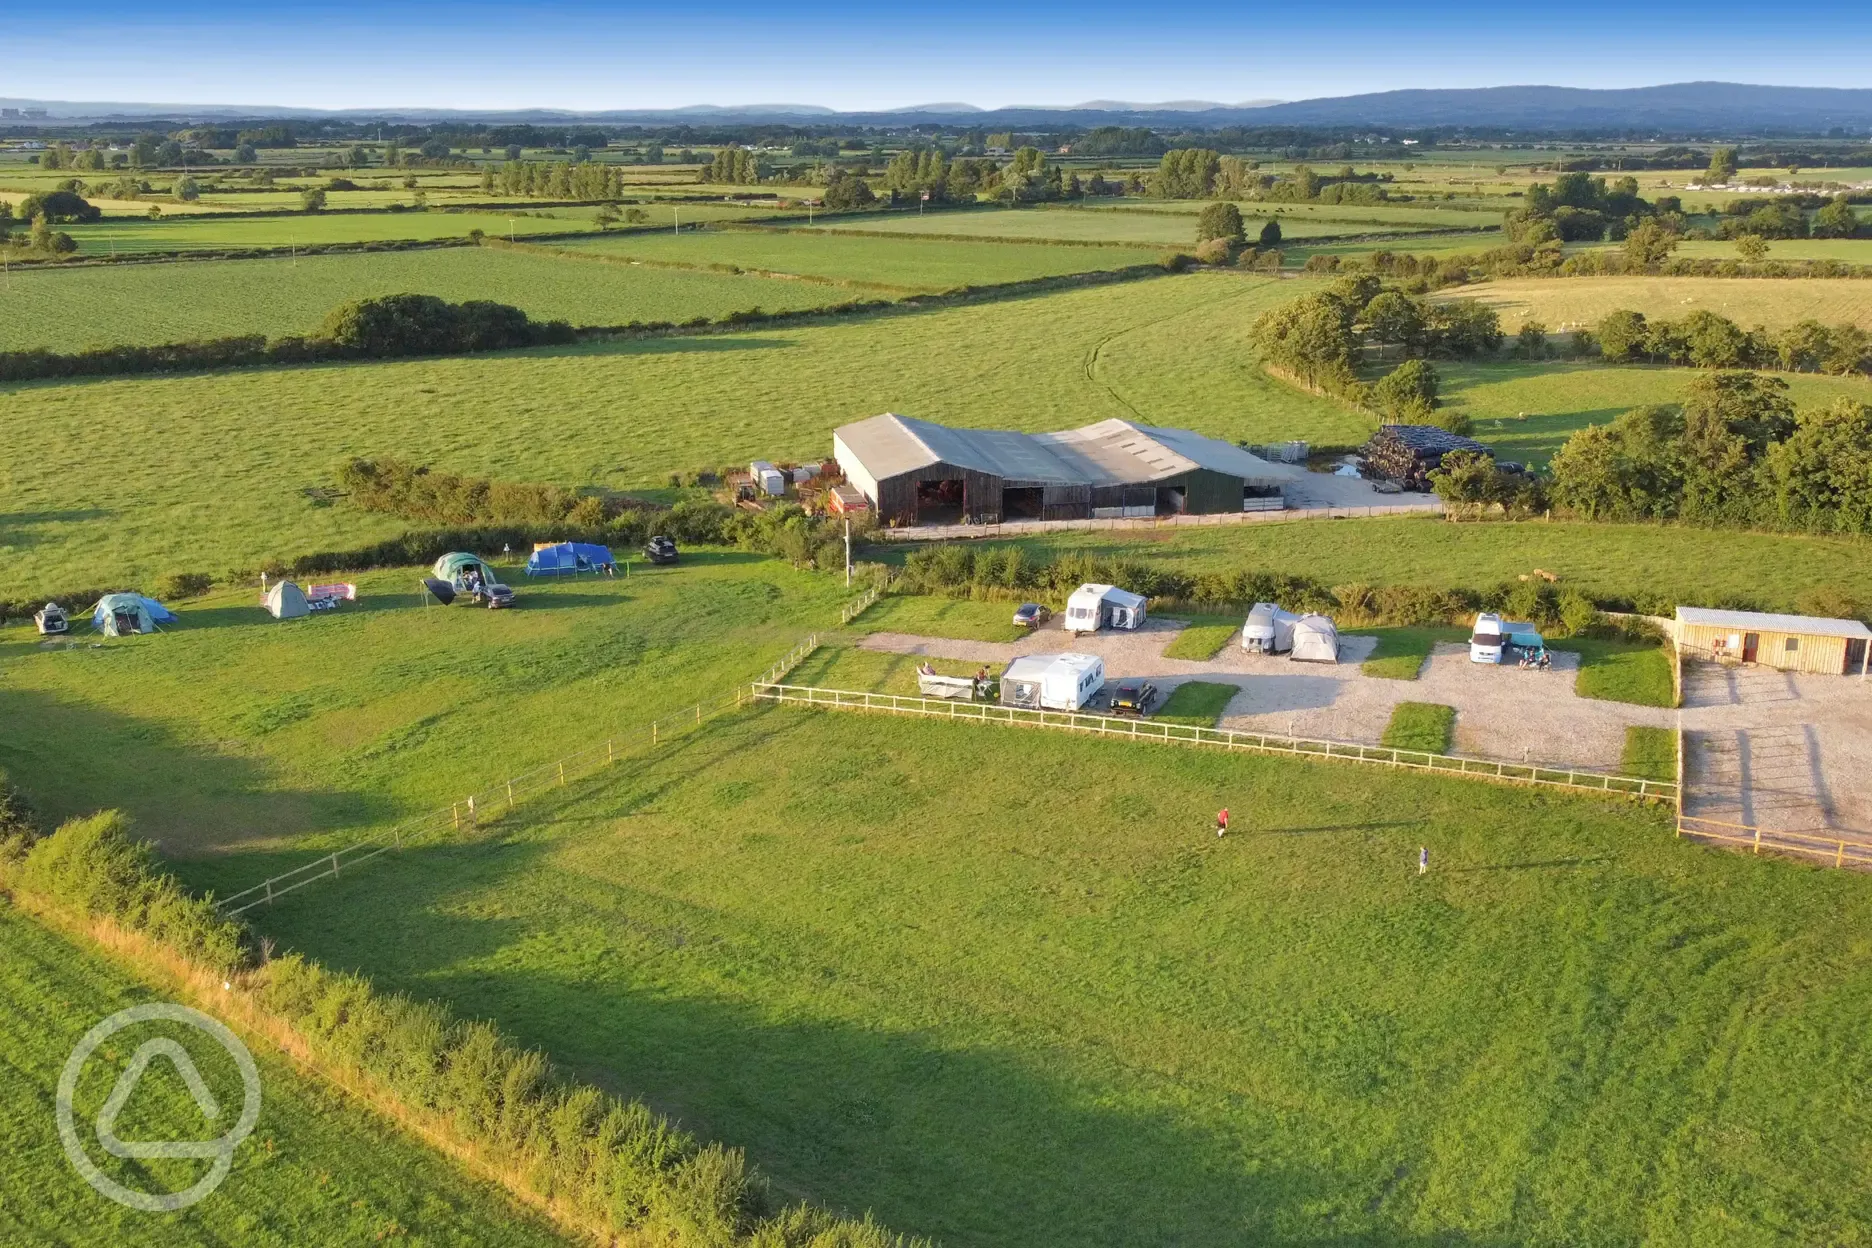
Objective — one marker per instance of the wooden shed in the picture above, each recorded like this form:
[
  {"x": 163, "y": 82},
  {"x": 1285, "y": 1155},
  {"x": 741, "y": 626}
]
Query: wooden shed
[{"x": 1792, "y": 643}]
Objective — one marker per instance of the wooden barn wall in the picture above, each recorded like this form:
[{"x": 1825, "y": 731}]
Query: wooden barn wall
[
  {"x": 1212, "y": 492},
  {"x": 1820, "y": 656},
  {"x": 981, "y": 493},
  {"x": 1066, "y": 502}
]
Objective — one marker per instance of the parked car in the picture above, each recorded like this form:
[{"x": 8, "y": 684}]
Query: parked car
[
  {"x": 495, "y": 595},
  {"x": 1134, "y": 697},
  {"x": 1031, "y": 615},
  {"x": 660, "y": 549}
]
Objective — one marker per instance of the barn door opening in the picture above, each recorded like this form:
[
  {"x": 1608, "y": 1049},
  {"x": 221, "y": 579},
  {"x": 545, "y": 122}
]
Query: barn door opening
[
  {"x": 1751, "y": 643},
  {"x": 1855, "y": 655},
  {"x": 1022, "y": 502},
  {"x": 939, "y": 502}
]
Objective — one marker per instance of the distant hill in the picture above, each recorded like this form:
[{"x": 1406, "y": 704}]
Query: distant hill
[
  {"x": 1688, "y": 109},
  {"x": 1693, "y": 107}
]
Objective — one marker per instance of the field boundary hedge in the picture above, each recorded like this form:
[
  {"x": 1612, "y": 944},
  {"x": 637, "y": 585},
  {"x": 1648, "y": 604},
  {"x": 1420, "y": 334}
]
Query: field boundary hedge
[{"x": 599, "y": 1166}]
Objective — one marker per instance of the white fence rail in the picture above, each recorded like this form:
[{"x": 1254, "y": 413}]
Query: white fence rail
[{"x": 1219, "y": 738}]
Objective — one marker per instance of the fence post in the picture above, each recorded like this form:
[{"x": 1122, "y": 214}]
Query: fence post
[
  {"x": 334, "y": 864},
  {"x": 611, "y": 758},
  {"x": 1758, "y": 840},
  {"x": 455, "y": 815},
  {"x": 510, "y": 795},
  {"x": 471, "y": 812},
  {"x": 1839, "y": 859},
  {"x": 269, "y": 888},
  {"x": 396, "y": 836},
  {"x": 562, "y": 774}
]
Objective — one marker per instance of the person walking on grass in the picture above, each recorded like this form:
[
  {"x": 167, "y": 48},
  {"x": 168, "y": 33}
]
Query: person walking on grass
[
  {"x": 1423, "y": 860},
  {"x": 1221, "y": 823}
]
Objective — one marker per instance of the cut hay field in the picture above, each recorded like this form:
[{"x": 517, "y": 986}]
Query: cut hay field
[
  {"x": 127, "y": 479},
  {"x": 953, "y": 975},
  {"x": 69, "y": 309},
  {"x": 1069, "y": 225},
  {"x": 1774, "y": 302},
  {"x": 1769, "y": 569},
  {"x": 906, "y": 264},
  {"x": 319, "y": 1168},
  {"x": 233, "y": 736}
]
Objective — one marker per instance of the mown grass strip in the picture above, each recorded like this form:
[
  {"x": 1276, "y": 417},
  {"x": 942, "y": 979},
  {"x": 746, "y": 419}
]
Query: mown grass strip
[
  {"x": 1425, "y": 726},
  {"x": 1401, "y": 652},
  {"x": 1621, "y": 671},
  {"x": 1198, "y": 703},
  {"x": 1203, "y": 637},
  {"x": 1649, "y": 753}
]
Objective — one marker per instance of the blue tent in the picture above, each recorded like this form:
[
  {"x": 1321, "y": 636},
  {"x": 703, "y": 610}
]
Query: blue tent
[
  {"x": 569, "y": 559},
  {"x": 158, "y": 612},
  {"x": 120, "y": 615}
]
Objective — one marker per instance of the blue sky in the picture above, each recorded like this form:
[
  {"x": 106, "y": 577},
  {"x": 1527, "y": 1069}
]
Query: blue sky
[{"x": 587, "y": 55}]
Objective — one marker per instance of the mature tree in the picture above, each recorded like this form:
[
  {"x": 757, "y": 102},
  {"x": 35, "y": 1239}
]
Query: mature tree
[
  {"x": 169, "y": 153},
  {"x": 248, "y": 154},
  {"x": 1270, "y": 234},
  {"x": 91, "y": 160},
  {"x": 1722, "y": 166},
  {"x": 59, "y": 207},
  {"x": 1393, "y": 317},
  {"x": 1187, "y": 173},
  {"x": 1531, "y": 340},
  {"x": 1463, "y": 327},
  {"x": 1849, "y": 350},
  {"x": 1220, "y": 220},
  {"x": 1836, "y": 220},
  {"x": 186, "y": 190},
  {"x": 846, "y": 192},
  {"x": 144, "y": 150},
  {"x": 1310, "y": 337},
  {"x": 1820, "y": 475},
  {"x": 312, "y": 200},
  {"x": 434, "y": 149},
  {"x": 1713, "y": 341},
  {"x": 1649, "y": 244},
  {"x": 514, "y": 151},
  {"x": 1408, "y": 393},
  {"x": 1751, "y": 247},
  {"x": 1802, "y": 347}
]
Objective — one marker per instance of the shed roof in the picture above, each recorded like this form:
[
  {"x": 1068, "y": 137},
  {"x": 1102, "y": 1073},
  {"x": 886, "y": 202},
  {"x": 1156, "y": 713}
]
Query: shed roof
[
  {"x": 1112, "y": 452},
  {"x": 1765, "y": 622}
]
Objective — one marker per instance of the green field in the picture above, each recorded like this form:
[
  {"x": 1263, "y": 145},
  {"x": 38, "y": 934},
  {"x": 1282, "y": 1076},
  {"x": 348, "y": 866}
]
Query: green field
[
  {"x": 1345, "y": 218},
  {"x": 930, "y": 616},
  {"x": 1622, "y": 671},
  {"x": 1649, "y": 753},
  {"x": 1770, "y": 569},
  {"x": 1203, "y": 637},
  {"x": 929, "y": 970},
  {"x": 109, "y": 480},
  {"x": 1074, "y": 226},
  {"x": 129, "y": 237},
  {"x": 318, "y": 1168},
  {"x": 910, "y": 264},
  {"x": 237, "y": 732},
  {"x": 1400, "y": 652},
  {"x": 154, "y": 303}
]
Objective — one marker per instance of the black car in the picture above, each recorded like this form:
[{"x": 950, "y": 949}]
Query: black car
[
  {"x": 1031, "y": 615},
  {"x": 660, "y": 550},
  {"x": 1133, "y": 697}
]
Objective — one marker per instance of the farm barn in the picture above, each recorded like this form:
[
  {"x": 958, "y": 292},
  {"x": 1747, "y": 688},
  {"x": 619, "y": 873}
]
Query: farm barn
[
  {"x": 914, "y": 472},
  {"x": 1408, "y": 454},
  {"x": 1793, "y": 643}
]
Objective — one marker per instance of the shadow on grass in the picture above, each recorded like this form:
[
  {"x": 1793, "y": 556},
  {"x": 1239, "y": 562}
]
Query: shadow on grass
[{"x": 192, "y": 803}]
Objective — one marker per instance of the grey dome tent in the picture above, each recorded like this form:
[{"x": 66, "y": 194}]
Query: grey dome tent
[
  {"x": 286, "y": 601},
  {"x": 1315, "y": 640},
  {"x": 121, "y": 615}
]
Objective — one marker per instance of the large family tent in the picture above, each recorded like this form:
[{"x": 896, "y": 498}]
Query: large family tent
[
  {"x": 1315, "y": 640},
  {"x": 457, "y": 567},
  {"x": 120, "y": 615},
  {"x": 286, "y": 601},
  {"x": 569, "y": 559},
  {"x": 1269, "y": 630}
]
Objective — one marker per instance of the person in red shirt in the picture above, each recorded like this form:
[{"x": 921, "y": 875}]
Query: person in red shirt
[{"x": 1221, "y": 822}]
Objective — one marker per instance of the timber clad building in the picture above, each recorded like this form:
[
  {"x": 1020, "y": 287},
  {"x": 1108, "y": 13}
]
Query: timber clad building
[
  {"x": 914, "y": 472},
  {"x": 1794, "y": 643}
]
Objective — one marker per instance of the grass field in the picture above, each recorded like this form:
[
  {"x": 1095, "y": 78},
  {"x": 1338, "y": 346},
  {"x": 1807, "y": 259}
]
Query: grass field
[
  {"x": 318, "y": 1168},
  {"x": 1621, "y": 671},
  {"x": 153, "y": 303},
  {"x": 1350, "y": 217},
  {"x": 875, "y": 671},
  {"x": 1769, "y": 569},
  {"x": 1584, "y": 301},
  {"x": 1203, "y": 637},
  {"x": 1197, "y": 703},
  {"x": 235, "y": 733},
  {"x": 911, "y": 264},
  {"x": 109, "y": 480},
  {"x": 1065, "y": 225},
  {"x": 1423, "y": 726},
  {"x": 204, "y": 233},
  {"x": 933, "y": 971},
  {"x": 929, "y": 616},
  {"x": 1400, "y": 652}
]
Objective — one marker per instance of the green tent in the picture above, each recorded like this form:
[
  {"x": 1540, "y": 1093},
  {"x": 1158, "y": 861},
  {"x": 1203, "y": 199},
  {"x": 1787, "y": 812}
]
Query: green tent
[{"x": 454, "y": 568}]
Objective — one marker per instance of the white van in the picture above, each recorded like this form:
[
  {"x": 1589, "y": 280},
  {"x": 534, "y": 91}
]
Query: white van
[{"x": 1492, "y": 637}]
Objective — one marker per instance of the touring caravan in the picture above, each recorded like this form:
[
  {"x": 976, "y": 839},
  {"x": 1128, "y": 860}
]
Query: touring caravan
[
  {"x": 1269, "y": 630},
  {"x": 1093, "y": 607},
  {"x": 1053, "y": 682}
]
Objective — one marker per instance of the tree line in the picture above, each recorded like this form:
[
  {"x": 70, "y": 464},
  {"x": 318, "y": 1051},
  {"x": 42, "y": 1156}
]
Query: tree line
[{"x": 1735, "y": 452}]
